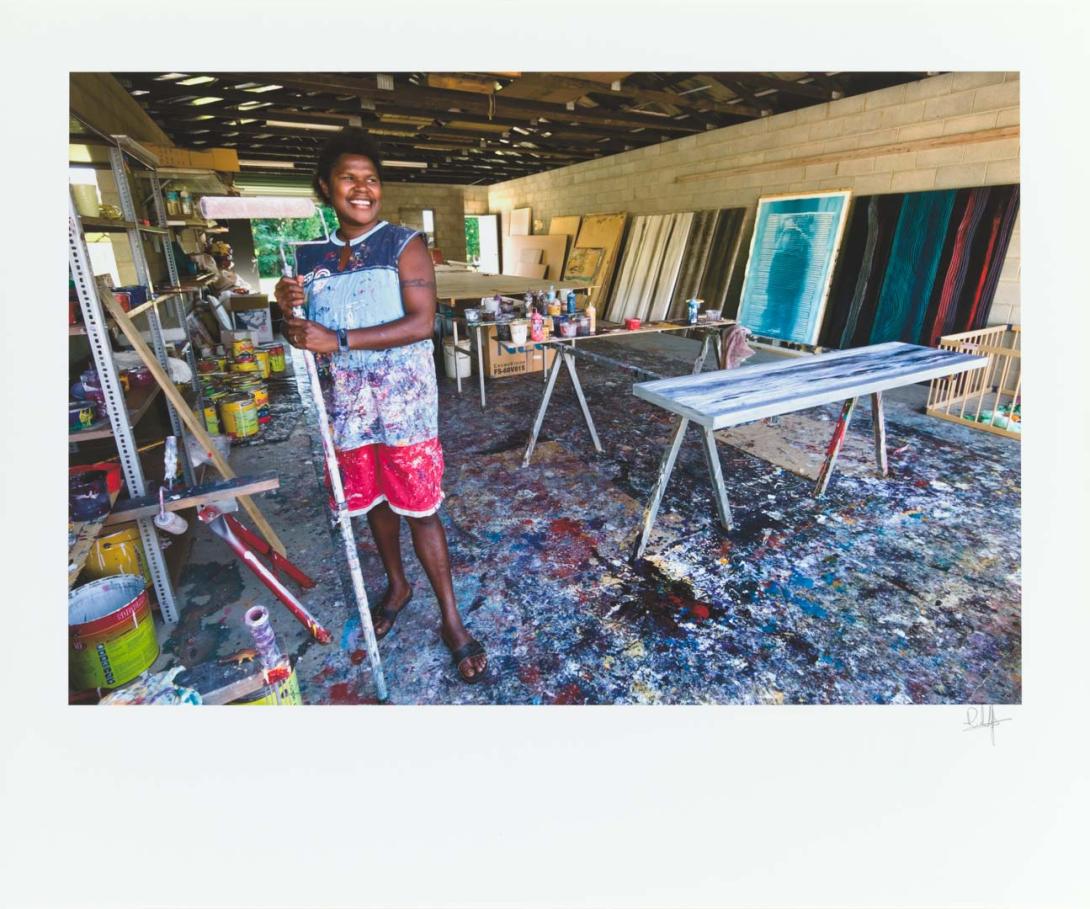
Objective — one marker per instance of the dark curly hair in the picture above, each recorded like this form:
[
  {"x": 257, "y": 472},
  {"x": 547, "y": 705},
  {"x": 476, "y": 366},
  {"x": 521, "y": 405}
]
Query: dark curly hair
[{"x": 349, "y": 141}]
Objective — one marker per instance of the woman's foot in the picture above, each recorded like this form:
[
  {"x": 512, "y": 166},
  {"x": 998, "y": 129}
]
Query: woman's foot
[
  {"x": 469, "y": 654},
  {"x": 384, "y": 615}
]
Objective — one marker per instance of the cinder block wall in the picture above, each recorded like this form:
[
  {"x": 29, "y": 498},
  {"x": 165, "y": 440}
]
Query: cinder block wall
[
  {"x": 770, "y": 155},
  {"x": 445, "y": 200}
]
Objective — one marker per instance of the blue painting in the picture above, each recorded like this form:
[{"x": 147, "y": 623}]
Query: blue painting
[{"x": 790, "y": 267}]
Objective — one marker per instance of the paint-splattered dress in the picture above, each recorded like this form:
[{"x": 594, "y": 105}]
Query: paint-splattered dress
[{"x": 383, "y": 404}]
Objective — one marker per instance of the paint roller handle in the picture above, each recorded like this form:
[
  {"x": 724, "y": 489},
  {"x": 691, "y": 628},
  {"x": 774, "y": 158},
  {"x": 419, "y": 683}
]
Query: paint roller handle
[{"x": 290, "y": 296}]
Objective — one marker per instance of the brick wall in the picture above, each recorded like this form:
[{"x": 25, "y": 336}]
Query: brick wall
[
  {"x": 445, "y": 200},
  {"x": 853, "y": 136}
]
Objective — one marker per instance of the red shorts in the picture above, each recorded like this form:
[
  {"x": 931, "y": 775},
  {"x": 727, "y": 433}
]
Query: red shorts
[{"x": 408, "y": 477}]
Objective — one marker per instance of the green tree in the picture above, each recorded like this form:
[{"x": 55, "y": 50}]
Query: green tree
[
  {"x": 269, "y": 233},
  {"x": 473, "y": 239}
]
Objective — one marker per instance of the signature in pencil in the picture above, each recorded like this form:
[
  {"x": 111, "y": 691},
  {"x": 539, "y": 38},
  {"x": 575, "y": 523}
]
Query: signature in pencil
[{"x": 982, "y": 716}]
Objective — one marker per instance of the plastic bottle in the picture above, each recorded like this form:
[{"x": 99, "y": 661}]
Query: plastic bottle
[
  {"x": 592, "y": 314},
  {"x": 694, "y": 310},
  {"x": 571, "y": 302},
  {"x": 537, "y": 327}
]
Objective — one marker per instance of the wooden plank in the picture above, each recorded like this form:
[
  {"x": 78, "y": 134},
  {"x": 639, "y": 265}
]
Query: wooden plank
[
  {"x": 520, "y": 222},
  {"x": 529, "y": 256},
  {"x": 550, "y": 247},
  {"x": 148, "y": 506},
  {"x": 663, "y": 292},
  {"x": 899, "y": 148},
  {"x": 606, "y": 232},
  {"x": 529, "y": 270},
  {"x": 728, "y": 397},
  {"x": 187, "y": 416},
  {"x": 470, "y": 286},
  {"x": 565, "y": 224}
]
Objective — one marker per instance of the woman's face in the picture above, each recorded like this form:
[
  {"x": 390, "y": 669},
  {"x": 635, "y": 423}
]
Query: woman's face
[{"x": 355, "y": 192}]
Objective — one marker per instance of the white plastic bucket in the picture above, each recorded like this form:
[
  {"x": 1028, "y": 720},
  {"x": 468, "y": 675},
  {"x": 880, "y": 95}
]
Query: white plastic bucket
[
  {"x": 454, "y": 362},
  {"x": 85, "y": 196}
]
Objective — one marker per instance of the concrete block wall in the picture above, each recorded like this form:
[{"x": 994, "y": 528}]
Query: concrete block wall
[
  {"x": 870, "y": 138},
  {"x": 447, "y": 201}
]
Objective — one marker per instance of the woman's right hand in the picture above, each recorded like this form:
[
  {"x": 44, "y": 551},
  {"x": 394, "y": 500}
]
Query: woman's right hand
[{"x": 289, "y": 294}]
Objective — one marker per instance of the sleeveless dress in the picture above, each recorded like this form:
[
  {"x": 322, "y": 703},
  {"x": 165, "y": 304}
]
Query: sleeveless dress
[{"x": 382, "y": 404}]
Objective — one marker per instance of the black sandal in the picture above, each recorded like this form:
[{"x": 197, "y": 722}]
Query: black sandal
[
  {"x": 471, "y": 648},
  {"x": 381, "y": 613}
]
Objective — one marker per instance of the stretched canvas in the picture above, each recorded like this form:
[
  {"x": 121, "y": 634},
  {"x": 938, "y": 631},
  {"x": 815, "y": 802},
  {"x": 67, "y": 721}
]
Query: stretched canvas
[{"x": 790, "y": 267}]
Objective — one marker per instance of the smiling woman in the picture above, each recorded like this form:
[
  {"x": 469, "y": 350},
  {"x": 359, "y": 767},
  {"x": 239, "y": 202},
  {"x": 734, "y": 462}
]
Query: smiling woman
[{"x": 370, "y": 302}]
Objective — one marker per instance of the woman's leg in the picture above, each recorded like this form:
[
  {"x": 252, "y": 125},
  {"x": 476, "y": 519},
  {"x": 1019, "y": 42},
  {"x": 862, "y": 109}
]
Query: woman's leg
[
  {"x": 385, "y": 527},
  {"x": 430, "y": 543}
]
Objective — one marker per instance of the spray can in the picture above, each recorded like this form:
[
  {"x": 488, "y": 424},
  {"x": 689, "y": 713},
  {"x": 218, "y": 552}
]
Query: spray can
[
  {"x": 571, "y": 302},
  {"x": 694, "y": 310}
]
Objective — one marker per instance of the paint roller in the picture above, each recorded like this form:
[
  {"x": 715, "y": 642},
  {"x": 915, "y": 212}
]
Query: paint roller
[{"x": 228, "y": 207}]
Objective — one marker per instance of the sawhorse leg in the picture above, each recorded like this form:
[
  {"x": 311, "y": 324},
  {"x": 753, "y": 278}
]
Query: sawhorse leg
[
  {"x": 480, "y": 362},
  {"x": 566, "y": 358},
  {"x": 878, "y": 418},
  {"x": 457, "y": 371},
  {"x": 833, "y": 450},
  {"x": 666, "y": 467}
]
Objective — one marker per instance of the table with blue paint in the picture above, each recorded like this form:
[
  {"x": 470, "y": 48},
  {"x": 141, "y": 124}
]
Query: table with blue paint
[
  {"x": 725, "y": 398},
  {"x": 712, "y": 330}
]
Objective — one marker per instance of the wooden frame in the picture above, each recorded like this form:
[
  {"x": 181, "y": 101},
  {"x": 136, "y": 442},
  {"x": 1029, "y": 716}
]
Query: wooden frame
[{"x": 977, "y": 399}]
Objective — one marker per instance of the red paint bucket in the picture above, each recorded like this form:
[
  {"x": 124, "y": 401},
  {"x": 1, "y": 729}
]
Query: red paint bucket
[{"x": 111, "y": 634}]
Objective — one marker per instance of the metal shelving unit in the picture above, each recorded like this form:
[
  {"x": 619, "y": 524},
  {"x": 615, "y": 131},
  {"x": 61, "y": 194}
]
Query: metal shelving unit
[{"x": 124, "y": 153}]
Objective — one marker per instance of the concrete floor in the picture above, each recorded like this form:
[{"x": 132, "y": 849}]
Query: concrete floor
[{"x": 904, "y": 590}]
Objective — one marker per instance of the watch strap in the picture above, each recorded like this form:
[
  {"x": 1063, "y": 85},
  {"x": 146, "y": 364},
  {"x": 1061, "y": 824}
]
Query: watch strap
[{"x": 342, "y": 339}]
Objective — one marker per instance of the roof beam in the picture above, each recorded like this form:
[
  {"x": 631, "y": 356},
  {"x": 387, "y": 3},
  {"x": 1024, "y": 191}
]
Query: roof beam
[{"x": 763, "y": 80}]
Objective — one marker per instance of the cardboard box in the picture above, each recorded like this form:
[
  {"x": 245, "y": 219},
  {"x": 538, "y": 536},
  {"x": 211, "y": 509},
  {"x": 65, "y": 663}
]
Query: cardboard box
[
  {"x": 498, "y": 361},
  {"x": 168, "y": 156},
  {"x": 201, "y": 159},
  {"x": 225, "y": 159},
  {"x": 240, "y": 302},
  {"x": 250, "y": 312}
]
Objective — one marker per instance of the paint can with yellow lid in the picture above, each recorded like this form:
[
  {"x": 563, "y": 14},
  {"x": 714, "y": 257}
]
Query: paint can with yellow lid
[{"x": 239, "y": 416}]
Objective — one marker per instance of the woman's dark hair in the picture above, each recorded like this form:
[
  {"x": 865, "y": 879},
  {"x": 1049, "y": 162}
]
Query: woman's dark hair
[{"x": 349, "y": 141}]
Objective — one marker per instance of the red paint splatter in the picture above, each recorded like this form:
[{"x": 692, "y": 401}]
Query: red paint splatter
[
  {"x": 569, "y": 694},
  {"x": 343, "y": 693},
  {"x": 699, "y": 611},
  {"x": 529, "y": 675},
  {"x": 357, "y": 657}
]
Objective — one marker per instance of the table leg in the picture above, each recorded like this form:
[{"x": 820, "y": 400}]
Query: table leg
[
  {"x": 569, "y": 361},
  {"x": 480, "y": 362},
  {"x": 878, "y": 418},
  {"x": 540, "y": 418},
  {"x": 666, "y": 467},
  {"x": 699, "y": 364},
  {"x": 721, "y": 348},
  {"x": 715, "y": 468},
  {"x": 457, "y": 371},
  {"x": 833, "y": 450}
]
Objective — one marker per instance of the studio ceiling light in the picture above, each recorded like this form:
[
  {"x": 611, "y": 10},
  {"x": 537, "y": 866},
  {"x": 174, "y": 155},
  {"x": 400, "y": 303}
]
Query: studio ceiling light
[
  {"x": 283, "y": 165},
  {"x": 209, "y": 99},
  {"x": 197, "y": 80},
  {"x": 296, "y": 124},
  {"x": 419, "y": 164}
]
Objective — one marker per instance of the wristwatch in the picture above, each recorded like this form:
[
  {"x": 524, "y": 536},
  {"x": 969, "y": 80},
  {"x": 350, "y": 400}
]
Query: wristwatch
[{"x": 342, "y": 339}]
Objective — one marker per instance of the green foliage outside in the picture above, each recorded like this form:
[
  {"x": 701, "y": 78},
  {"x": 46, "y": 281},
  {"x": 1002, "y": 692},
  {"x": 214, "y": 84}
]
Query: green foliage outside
[
  {"x": 269, "y": 233},
  {"x": 473, "y": 239}
]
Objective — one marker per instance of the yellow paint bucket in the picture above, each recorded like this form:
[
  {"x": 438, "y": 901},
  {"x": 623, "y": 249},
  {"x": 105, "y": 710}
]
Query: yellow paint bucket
[
  {"x": 242, "y": 348},
  {"x": 239, "y": 416},
  {"x": 119, "y": 552},
  {"x": 282, "y": 694},
  {"x": 245, "y": 366},
  {"x": 111, "y": 634},
  {"x": 262, "y": 358}
]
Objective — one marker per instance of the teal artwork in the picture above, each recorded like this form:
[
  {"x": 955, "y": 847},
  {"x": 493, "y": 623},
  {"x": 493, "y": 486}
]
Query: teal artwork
[{"x": 791, "y": 258}]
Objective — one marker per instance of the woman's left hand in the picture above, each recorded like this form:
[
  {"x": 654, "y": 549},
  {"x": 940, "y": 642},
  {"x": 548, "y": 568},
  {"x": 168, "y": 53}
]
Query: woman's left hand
[{"x": 307, "y": 335}]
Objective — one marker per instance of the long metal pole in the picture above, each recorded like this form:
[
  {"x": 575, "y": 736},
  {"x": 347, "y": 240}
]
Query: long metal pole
[{"x": 343, "y": 519}]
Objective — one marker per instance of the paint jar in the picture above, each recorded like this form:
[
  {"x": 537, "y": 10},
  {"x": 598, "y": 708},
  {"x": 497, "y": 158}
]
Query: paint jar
[
  {"x": 242, "y": 349},
  {"x": 118, "y": 552},
  {"x": 140, "y": 377},
  {"x": 259, "y": 392},
  {"x": 631, "y": 324},
  {"x": 88, "y": 496},
  {"x": 506, "y": 306},
  {"x": 712, "y": 315},
  {"x": 81, "y": 415},
  {"x": 569, "y": 328},
  {"x": 263, "y": 365},
  {"x": 473, "y": 316},
  {"x": 211, "y": 419},
  {"x": 553, "y": 307},
  {"x": 277, "y": 363},
  {"x": 250, "y": 365},
  {"x": 518, "y": 332},
  {"x": 583, "y": 326},
  {"x": 239, "y": 416},
  {"x": 111, "y": 634},
  {"x": 503, "y": 327},
  {"x": 490, "y": 305}
]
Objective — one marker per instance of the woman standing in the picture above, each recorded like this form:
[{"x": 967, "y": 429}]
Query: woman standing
[{"x": 370, "y": 298}]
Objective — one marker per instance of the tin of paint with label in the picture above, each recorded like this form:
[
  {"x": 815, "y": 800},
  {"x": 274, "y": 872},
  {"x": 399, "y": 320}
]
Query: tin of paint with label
[
  {"x": 283, "y": 692},
  {"x": 276, "y": 356},
  {"x": 111, "y": 635},
  {"x": 80, "y": 415},
  {"x": 211, "y": 419},
  {"x": 245, "y": 366},
  {"x": 239, "y": 416},
  {"x": 119, "y": 552},
  {"x": 240, "y": 347},
  {"x": 263, "y": 364}
]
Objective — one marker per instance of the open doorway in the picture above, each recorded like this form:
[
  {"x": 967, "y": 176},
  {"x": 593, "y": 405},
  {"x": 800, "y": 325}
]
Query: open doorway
[{"x": 483, "y": 243}]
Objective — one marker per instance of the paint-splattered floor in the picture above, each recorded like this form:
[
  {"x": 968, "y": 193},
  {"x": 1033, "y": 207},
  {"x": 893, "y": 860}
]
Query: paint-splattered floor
[{"x": 904, "y": 590}]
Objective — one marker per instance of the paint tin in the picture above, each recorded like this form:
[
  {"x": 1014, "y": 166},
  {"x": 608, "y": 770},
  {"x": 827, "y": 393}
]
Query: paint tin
[
  {"x": 242, "y": 349},
  {"x": 631, "y": 324},
  {"x": 277, "y": 363},
  {"x": 569, "y": 328},
  {"x": 259, "y": 391},
  {"x": 206, "y": 366},
  {"x": 263, "y": 364},
  {"x": 211, "y": 419},
  {"x": 112, "y": 470},
  {"x": 88, "y": 495},
  {"x": 473, "y": 316},
  {"x": 583, "y": 326},
  {"x": 245, "y": 366},
  {"x": 518, "y": 333},
  {"x": 81, "y": 415},
  {"x": 119, "y": 552},
  {"x": 239, "y": 416},
  {"x": 111, "y": 635},
  {"x": 284, "y": 693}
]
